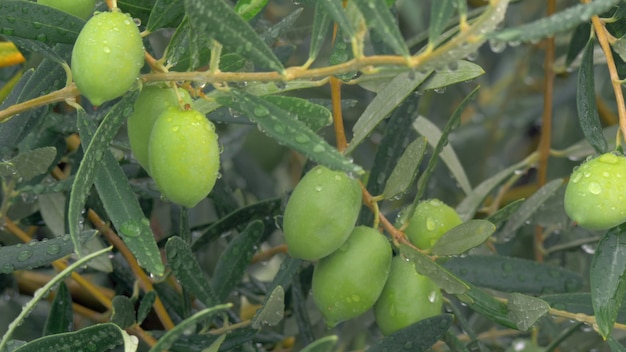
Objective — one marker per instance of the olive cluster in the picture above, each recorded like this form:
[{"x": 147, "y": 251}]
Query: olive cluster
[
  {"x": 355, "y": 269},
  {"x": 174, "y": 143}
]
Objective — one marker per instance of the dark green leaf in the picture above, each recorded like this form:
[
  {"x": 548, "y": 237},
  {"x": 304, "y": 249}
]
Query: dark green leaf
[
  {"x": 100, "y": 337},
  {"x": 502, "y": 215},
  {"x": 235, "y": 259},
  {"x": 513, "y": 274},
  {"x": 314, "y": 116},
  {"x": 123, "y": 314},
  {"x": 145, "y": 306},
  {"x": 606, "y": 279},
  {"x": 274, "y": 32},
  {"x": 440, "y": 13},
  {"x": 30, "y": 20},
  {"x": 187, "y": 50},
  {"x": 237, "y": 219},
  {"x": 586, "y": 102},
  {"x": 188, "y": 271},
  {"x": 335, "y": 9},
  {"x": 457, "y": 72},
  {"x": 487, "y": 306},
  {"x": 427, "y": 267},
  {"x": 417, "y": 337},
  {"x": 615, "y": 345},
  {"x": 165, "y": 13},
  {"x": 561, "y": 21},
  {"x": 406, "y": 168},
  {"x": 278, "y": 124},
  {"x": 530, "y": 206},
  {"x": 578, "y": 303},
  {"x": 38, "y": 253},
  {"x": 579, "y": 40},
  {"x": 378, "y": 18},
  {"x": 524, "y": 310},
  {"x": 325, "y": 344},
  {"x": 140, "y": 9},
  {"x": 115, "y": 192},
  {"x": 272, "y": 311},
  {"x": 61, "y": 316},
  {"x": 464, "y": 237},
  {"x": 214, "y": 18},
  {"x": 247, "y": 9},
  {"x": 319, "y": 32}
]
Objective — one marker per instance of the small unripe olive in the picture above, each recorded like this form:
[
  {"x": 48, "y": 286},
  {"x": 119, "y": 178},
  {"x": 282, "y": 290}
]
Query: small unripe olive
[
  {"x": 407, "y": 298},
  {"x": 107, "y": 56},
  {"x": 151, "y": 102},
  {"x": 184, "y": 156},
  {"x": 595, "y": 196},
  {"x": 78, "y": 8},
  {"x": 321, "y": 213},
  {"x": 348, "y": 282},
  {"x": 431, "y": 219}
]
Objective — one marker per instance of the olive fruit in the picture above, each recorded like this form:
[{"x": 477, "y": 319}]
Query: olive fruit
[
  {"x": 595, "y": 194},
  {"x": 183, "y": 155},
  {"x": 430, "y": 220},
  {"x": 107, "y": 56},
  {"x": 349, "y": 281},
  {"x": 407, "y": 298},
  {"x": 151, "y": 102},
  {"x": 78, "y": 8},
  {"x": 321, "y": 213}
]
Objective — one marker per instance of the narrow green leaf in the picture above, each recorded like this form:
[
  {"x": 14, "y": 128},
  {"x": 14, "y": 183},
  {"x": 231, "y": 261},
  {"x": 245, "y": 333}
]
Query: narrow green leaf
[
  {"x": 145, "y": 306},
  {"x": 52, "y": 209},
  {"x": 510, "y": 274},
  {"x": 119, "y": 200},
  {"x": 440, "y": 13},
  {"x": 579, "y": 40},
  {"x": 237, "y": 219},
  {"x": 44, "y": 291},
  {"x": 607, "y": 286},
  {"x": 286, "y": 23},
  {"x": 319, "y": 32},
  {"x": 137, "y": 8},
  {"x": 247, "y": 9},
  {"x": 325, "y": 344},
  {"x": 314, "y": 116},
  {"x": 215, "y": 346},
  {"x": 30, "y": 20},
  {"x": 487, "y": 306},
  {"x": 188, "y": 271},
  {"x": 418, "y": 337},
  {"x": 525, "y": 310},
  {"x": 187, "y": 50},
  {"x": 35, "y": 46},
  {"x": 502, "y": 215},
  {"x": 464, "y": 237},
  {"x": 166, "y": 341},
  {"x": 276, "y": 123},
  {"x": 442, "y": 149},
  {"x": 586, "y": 102},
  {"x": 442, "y": 277},
  {"x": 123, "y": 314},
  {"x": 235, "y": 259},
  {"x": 468, "y": 206},
  {"x": 561, "y": 21},
  {"x": 457, "y": 72},
  {"x": 530, "y": 206},
  {"x": 342, "y": 52},
  {"x": 90, "y": 165},
  {"x": 99, "y": 337},
  {"x": 272, "y": 311},
  {"x": 29, "y": 164},
  {"x": 219, "y": 21},
  {"x": 38, "y": 253},
  {"x": 335, "y": 9},
  {"x": 406, "y": 168},
  {"x": 165, "y": 13},
  {"x": 384, "y": 103},
  {"x": 615, "y": 345},
  {"x": 288, "y": 268},
  {"x": 61, "y": 316},
  {"x": 378, "y": 18}
]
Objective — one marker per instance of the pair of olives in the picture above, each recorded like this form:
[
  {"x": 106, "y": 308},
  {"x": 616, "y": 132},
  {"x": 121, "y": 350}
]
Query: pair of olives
[{"x": 355, "y": 268}]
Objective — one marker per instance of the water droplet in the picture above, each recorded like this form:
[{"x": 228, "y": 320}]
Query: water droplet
[
  {"x": 430, "y": 224},
  {"x": 609, "y": 158},
  {"x": 130, "y": 228},
  {"x": 261, "y": 111},
  {"x": 302, "y": 138},
  {"x": 507, "y": 267},
  {"x": 106, "y": 50},
  {"x": 175, "y": 128},
  {"x": 53, "y": 249},
  {"x": 497, "y": 46},
  {"x": 318, "y": 188},
  {"x": 577, "y": 177},
  {"x": 318, "y": 148},
  {"x": 595, "y": 188},
  {"x": 8, "y": 268},
  {"x": 24, "y": 255},
  {"x": 7, "y": 31}
]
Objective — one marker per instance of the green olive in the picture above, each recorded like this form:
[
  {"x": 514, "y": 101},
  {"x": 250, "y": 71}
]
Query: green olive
[
  {"x": 321, "y": 213},
  {"x": 431, "y": 219},
  {"x": 407, "y": 298},
  {"x": 152, "y": 102},
  {"x": 183, "y": 155},
  {"x": 78, "y": 8},
  {"x": 348, "y": 282},
  {"x": 595, "y": 194},
  {"x": 107, "y": 56}
]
